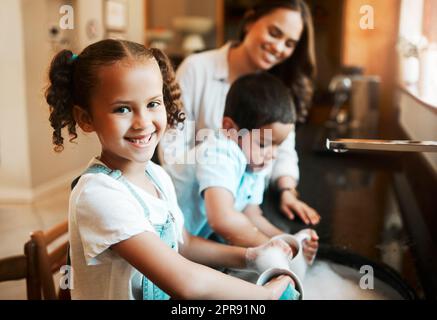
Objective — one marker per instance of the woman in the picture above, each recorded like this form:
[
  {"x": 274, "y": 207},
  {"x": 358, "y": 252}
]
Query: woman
[{"x": 276, "y": 36}]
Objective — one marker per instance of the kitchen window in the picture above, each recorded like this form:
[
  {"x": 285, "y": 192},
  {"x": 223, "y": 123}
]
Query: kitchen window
[{"x": 417, "y": 47}]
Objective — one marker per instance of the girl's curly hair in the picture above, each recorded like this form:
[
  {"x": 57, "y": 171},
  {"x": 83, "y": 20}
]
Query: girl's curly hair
[{"x": 72, "y": 80}]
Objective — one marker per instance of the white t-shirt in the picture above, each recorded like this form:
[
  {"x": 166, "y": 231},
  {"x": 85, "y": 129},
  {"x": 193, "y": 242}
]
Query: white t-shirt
[
  {"x": 203, "y": 79},
  {"x": 103, "y": 212}
]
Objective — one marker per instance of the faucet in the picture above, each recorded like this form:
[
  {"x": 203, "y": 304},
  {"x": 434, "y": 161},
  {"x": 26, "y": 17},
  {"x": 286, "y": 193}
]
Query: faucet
[
  {"x": 341, "y": 86},
  {"x": 343, "y": 145}
]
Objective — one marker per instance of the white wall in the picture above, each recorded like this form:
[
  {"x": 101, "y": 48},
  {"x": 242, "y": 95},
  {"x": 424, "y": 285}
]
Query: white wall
[
  {"x": 84, "y": 12},
  {"x": 135, "y": 31},
  {"x": 48, "y": 169},
  {"x": 28, "y": 165},
  {"x": 419, "y": 122},
  {"x": 410, "y": 22},
  {"x": 15, "y": 178}
]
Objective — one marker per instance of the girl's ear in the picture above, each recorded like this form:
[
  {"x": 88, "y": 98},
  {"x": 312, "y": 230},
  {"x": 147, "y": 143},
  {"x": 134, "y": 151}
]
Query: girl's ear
[{"x": 83, "y": 119}]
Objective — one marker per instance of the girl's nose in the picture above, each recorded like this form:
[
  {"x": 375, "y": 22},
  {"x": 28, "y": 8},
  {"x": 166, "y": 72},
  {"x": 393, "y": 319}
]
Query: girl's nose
[{"x": 140, "y": 121}]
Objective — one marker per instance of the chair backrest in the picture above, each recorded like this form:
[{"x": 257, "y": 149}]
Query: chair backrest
[
  {"x": 49, "y": 263},
  {"x": 23, "y": 266}
]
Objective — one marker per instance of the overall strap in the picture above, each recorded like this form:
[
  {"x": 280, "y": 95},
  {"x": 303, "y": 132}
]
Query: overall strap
[
  {"x": 155, "y": 181},
  {"x": 98, "y": 168}
]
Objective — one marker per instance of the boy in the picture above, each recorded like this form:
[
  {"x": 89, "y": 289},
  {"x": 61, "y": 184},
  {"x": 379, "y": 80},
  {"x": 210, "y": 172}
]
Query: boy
[{"x": 221, "y": 192}]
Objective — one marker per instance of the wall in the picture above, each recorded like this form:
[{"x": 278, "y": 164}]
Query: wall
[
  {"x": 135, "y": 31},
  {"x": 159, "y": 16},
  {"x": 419, "y": 122},
  {"x": 327, "y": 19},
  {"x": 374, "y": 49},
  {"x": 29, "y": 167},
  {"x": 85, "y": 11},
  {"x": 14, "y": 153}
]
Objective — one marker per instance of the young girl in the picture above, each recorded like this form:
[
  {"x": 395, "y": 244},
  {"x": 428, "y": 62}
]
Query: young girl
[{"x": 126, "y": 229}]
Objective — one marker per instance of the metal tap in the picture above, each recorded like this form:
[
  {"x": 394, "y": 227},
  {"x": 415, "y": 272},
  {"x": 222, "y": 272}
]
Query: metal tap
[{"x": 343, "y": 145}]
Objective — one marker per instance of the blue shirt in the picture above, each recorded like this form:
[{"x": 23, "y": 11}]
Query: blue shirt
[{"x": 219, "y": 162}]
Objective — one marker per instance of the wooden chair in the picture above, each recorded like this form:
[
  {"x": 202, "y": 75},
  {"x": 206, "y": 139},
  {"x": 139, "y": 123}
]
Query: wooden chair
[
  {"x": 23, "y": 267},
  {"x": 49, "y": 263}
]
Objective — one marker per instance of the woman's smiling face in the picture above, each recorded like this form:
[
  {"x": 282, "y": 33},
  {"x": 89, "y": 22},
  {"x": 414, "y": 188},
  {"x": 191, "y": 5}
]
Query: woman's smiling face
[
  {"x": 128, "y": 112},
  {"x": 273, "y": 37}
]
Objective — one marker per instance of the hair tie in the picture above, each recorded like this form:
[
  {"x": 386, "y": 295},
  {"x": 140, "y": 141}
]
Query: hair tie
[{"x": 74, "y": 57}]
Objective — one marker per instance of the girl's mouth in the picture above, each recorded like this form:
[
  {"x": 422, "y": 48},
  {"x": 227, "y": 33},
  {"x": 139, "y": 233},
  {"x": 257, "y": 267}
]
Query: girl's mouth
[{"x": 140, "y": 141}]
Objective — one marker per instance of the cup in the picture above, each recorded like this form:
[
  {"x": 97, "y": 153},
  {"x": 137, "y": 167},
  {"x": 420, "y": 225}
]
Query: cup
[
  {"x": 296, "y": 263},
  {"x": 271, "y": 273}
]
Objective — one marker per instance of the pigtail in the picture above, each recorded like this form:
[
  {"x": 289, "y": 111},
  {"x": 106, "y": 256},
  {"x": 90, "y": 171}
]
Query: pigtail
[
  {"x": 59, "y": 96},
  {"x": 171, "y": 90}
]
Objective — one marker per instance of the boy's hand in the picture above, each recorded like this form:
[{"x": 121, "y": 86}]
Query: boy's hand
[
  {"x": 289, "y": 203},
  {"x": 310, "y": 246},
  {"x": 253, "y": 253}
]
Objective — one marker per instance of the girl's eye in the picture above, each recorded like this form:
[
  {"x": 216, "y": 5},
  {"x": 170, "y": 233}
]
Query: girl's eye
[
  {"x": 123, "y": 109},
  {"x": 153, "y": 105}
]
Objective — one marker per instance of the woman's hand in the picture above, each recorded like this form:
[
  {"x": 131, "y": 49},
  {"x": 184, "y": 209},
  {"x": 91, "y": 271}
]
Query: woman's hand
[
  {"x": 310, "y": 246},
  {"x": 289, "y": 203}
]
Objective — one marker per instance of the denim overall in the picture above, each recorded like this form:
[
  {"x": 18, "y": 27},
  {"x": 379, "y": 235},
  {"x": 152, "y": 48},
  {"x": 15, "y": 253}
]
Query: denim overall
[{"x": 166, "y": 231}]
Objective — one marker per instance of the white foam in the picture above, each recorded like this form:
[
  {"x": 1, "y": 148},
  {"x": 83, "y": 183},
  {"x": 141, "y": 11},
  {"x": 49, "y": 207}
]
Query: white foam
[
  {"x": 329, "y": 281},
  {"x": 271, "y": 257}
]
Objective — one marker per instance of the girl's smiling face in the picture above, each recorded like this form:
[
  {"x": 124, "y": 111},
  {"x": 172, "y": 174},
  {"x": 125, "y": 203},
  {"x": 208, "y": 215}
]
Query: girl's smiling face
[{"x": 128, "y": 112}]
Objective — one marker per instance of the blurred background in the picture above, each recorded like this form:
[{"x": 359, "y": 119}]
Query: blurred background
[{"x": 377, "y": 81}]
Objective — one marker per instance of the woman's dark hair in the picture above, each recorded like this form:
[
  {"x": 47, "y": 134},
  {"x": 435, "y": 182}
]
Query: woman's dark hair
[
  {"x": 299, "y": 70},
  {"x": 259, "y": 99},
  {"x": 72, "y": 80}
]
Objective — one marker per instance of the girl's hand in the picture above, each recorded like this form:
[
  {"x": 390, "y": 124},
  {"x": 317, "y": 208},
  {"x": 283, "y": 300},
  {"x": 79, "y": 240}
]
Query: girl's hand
[
  {"x": 278, "y": 285},
  {"x": 289, "y": 203},
  {"x": 310, "y": 246},
  {"x": 253, "y": 253}
]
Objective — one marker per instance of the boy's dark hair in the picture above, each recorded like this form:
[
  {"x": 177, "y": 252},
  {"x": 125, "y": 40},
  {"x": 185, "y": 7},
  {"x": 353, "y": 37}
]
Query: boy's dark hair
[
  {"x": 299, "y": 70},
  {"x": 72, "y": 80},
  {"x": 257, "y": 100}
]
